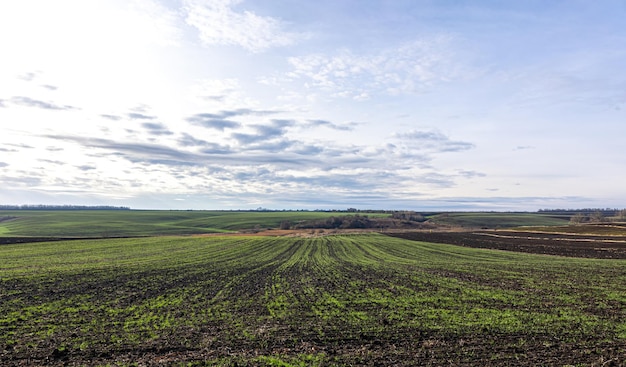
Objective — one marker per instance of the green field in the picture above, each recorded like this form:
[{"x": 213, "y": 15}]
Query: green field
[
  {"x": 276, "y": 301},
  {"x": 498, "y": 219},
  {"x": 133, "y": 223},
  {"x": 117, "y": 223}
]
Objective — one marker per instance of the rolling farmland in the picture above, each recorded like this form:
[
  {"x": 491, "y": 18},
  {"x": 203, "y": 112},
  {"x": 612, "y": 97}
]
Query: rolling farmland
[
  {"x": 344, "y": 300},
  {"x": 127, "y": 223}
]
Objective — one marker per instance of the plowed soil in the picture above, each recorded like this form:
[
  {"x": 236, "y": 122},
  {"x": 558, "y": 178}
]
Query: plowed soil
[{"x": 572, "y": 245}]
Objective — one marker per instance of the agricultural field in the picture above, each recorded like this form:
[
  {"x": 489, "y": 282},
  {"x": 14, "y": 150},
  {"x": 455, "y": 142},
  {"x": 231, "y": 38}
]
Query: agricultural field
[
  {"x": 55, "y": 224},
  {"x": 133, "y": 223},
  {"x": 615, "y": 229},
  {"x": 599, "y": 242},
  {"x": 337, "y": 300},
  {"x": 498, "y": 219}
]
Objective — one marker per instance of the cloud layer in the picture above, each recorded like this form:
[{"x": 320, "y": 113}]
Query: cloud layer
[
  {"x": 239, "y": 104},
  {"x": 218, "y": 23},
  {"x": 407, "y": 68}
]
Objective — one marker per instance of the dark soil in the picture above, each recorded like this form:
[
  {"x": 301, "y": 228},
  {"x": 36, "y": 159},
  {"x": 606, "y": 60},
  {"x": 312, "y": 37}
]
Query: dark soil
[
  {"x": 12, "y": 240},
  {"x": 7, "y": 218},
  {"x": 598, "y": 247}
]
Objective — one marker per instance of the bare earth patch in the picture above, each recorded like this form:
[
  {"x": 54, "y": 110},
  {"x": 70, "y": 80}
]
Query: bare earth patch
[{"x": 560, "y": 244}]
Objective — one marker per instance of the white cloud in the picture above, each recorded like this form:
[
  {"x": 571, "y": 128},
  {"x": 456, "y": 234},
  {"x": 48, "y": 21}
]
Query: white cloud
[
  {"x": 228, "y": 93},
  {"x": 408, "y": 68},
  {"x": 433, "y": 141},
  {"x": 219, "y": 24}
]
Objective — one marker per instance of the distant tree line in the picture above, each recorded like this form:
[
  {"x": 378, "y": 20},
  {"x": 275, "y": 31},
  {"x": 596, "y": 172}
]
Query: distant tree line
[
  {"x": 348, "y": 210},
  {"x": 62, "y": 207},
  {"x": 357, "y": 221},
  {"x": 339, "y": 222},
  {"x": 598, "y": 216},
  {"x": 408, "y": 216}
]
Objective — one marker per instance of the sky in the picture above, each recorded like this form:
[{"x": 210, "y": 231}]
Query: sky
[{"x": 329, "y": 104}]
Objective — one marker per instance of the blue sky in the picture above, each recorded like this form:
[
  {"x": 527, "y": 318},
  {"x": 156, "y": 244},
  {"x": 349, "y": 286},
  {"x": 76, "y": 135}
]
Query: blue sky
[{"x": 227, "y": 104}]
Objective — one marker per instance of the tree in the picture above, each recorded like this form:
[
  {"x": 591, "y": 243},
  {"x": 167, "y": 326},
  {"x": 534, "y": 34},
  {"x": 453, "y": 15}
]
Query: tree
[
  {"x": 596, "y": 217},
  {"x": 408, "y": 216},
  {"x": 577, "y": 218}
]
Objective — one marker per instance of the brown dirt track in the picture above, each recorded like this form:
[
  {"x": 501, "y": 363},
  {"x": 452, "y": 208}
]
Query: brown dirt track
[{"x": 571, "y": 245}]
